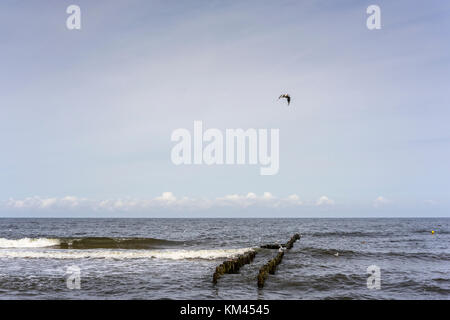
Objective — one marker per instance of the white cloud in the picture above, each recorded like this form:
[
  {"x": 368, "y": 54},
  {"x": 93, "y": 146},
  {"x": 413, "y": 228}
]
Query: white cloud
[
  {"x": 251, "y": 199},
  {"x": 380, "y": 201},
  {"x": 294, "y": 200},
  {"x": 324, "y": 200},
  {"x": 166, "y": 200},
  {"x": 46, "y": 203}
]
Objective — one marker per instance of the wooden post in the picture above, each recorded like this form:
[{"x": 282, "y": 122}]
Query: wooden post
[
  {"x": 271, "y": 266},
  {"x": 233, "y": 265}
]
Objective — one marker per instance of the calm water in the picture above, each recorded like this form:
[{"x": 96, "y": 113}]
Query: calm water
[{"x": 175, "y": 258}]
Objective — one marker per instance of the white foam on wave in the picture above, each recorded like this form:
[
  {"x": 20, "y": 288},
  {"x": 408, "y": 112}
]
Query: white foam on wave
[
  {"x": 28, "y": 243},
  {"x": 209, "y": 254}
]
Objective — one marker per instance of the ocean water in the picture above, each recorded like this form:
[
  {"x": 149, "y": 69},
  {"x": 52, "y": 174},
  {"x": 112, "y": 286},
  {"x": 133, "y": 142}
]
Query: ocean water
[{"x": 175, "y": 258}]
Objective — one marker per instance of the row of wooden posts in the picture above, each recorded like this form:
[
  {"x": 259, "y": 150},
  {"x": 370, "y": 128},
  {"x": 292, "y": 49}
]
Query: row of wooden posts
[{"x": 233, "y": 265}]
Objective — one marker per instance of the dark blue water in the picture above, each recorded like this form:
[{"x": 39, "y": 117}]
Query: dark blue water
[{"x": 175, "y": 258}]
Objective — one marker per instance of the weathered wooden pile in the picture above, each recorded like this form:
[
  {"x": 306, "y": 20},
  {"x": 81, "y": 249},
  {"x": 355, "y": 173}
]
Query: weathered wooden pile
[
  {"x": 271, "y": 246},
  {"x": 271, "y": 266},
  {"x": 233, "y": 265},
  {"x": 291, "y": 242}
]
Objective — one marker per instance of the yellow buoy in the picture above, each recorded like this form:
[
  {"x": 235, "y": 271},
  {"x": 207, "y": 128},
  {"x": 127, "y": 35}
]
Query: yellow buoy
[{"x": 432, "y": 231}]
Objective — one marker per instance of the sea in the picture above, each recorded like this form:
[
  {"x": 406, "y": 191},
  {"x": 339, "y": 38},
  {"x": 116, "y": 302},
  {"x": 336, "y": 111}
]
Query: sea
[{"x": 46, "y": 258}]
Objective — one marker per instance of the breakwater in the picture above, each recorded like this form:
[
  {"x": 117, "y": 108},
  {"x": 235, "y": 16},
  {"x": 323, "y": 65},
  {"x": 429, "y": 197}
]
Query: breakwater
[
  {"x": 233, "y": 265},
  {"x": 271, "y": 266}
]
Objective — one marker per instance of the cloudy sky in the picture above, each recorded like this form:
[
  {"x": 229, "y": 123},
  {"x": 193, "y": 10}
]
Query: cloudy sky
[{"x": 86, "y": 115}]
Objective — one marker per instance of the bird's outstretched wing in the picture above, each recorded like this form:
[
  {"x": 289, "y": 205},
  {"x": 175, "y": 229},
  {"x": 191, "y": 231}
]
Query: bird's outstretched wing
[{"x": 286, "y": 96}]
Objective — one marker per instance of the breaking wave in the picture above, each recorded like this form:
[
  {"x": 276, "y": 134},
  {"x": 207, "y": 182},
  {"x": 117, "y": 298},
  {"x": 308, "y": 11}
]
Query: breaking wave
[
  {"x": 88, "y": 243},
  {"x": 28, "y": 243},
  {"x": 210, "y": 254}
]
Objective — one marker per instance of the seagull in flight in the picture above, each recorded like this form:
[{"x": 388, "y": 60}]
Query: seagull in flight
[{"x": 286, "y": 96}]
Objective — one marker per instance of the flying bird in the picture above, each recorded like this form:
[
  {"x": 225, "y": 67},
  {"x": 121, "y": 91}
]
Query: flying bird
[{"x": 287, "y": 97}]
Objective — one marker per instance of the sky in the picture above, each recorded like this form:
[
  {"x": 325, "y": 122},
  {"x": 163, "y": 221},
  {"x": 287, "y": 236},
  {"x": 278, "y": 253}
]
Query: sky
[{"x": 86, "y": 116}]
